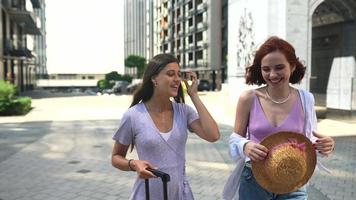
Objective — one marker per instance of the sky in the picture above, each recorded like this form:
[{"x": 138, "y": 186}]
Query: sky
[{"x": 85, "y": 36}]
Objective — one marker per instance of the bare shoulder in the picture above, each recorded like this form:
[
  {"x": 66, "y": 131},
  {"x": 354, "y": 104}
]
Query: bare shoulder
[{"x": 247, "y": 96}]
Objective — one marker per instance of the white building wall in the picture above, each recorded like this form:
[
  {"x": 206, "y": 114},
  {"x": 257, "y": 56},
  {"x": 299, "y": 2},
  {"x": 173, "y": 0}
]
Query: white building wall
[
  {"x": 266, "y": 19},
  {"x": 298, "y": 34},
  {"x": 339, "y": 90}
]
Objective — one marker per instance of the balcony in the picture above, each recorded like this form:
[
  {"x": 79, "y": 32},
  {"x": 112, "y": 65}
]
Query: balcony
[
  {"x": 200, "y": 44},
  {"x": 22, "y": 52},
  {"x": 202, "y": 8},
  {"x": 191, "y": 29},
  {"x": 16, "y": 53},
  {"x": 202, "y": 26},
  {"x": 201, "y": 62},
  {"x": 25, "y": 19}
]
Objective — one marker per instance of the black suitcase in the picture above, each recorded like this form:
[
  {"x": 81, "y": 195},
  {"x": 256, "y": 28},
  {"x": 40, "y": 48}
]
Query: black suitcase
[{"x": 165, "y": 178}]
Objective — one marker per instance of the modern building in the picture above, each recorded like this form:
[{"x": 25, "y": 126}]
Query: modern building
[
  {"x": 40, "y": 43},
  {"x": 70, "y": 82},
  {"x": 194, "y": 31},
  {"x": 323, "y": 33},
  {"x": 138, "y": 34},
  {"x": 22, "y": 49}
]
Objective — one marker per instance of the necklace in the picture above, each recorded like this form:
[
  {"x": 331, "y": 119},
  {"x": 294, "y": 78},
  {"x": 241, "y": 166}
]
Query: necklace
[{"x": 281, "y": 101}]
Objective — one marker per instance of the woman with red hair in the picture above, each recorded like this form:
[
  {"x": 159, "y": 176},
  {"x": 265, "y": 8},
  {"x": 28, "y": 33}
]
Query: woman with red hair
[{"x": 274, "y": 107}]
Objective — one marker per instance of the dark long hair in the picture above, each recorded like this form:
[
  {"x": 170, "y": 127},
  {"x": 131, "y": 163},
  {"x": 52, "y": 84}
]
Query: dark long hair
[
  {"x": 145, "y": 91},
  {"x": 253, "y": 73}
]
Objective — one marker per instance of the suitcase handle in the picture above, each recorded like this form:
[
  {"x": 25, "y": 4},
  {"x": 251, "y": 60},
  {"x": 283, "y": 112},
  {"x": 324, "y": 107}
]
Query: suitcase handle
[{"x": 164, "y": 176}]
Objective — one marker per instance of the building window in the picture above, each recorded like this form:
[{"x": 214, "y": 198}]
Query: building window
[
  {"x": 190, "y": 40},
  {"x": 190, "y": 56},
  {"x": 190, "y": 5},
  {"x": 172, "y": 45},
  {"x": 199, "y": 55},
  {"x": 199, "y": 36},
  {"x": 199, "y": 18},
  {"x": 178, "y": 28},
  {"x": 190, "y": 22},
  {"x": 178, "y": 12}
]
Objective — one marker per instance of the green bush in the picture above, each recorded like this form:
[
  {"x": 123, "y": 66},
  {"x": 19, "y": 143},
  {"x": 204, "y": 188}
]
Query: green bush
[
  {"x": 104, "y": 84},
  {"x": 10, "y": 104},
  {"x": 21, "y": 105},
  {"x": 7, "y": 91}
]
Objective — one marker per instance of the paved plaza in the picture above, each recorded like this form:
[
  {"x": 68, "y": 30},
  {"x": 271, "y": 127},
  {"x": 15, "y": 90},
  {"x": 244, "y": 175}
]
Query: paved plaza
[{"x": 62, "y": 150}]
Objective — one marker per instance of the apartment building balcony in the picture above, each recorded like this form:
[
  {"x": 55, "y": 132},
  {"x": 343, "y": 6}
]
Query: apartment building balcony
[
  {"x": 190, "y": 13},
  {"x": 200, "y": 44},
  {"x": 202, "y": 26},
  {"x": 170, "y": 38},
  {"x": 203, "y": 7},
  {"x": 205, "y": 45},
  {"x": 178, "y": 4},
  {"x": 190, "y": 29},
  {"x": 181, "y": 33},
  {"x": 180, "y": 49},
  {"x": 25, "y": 19},
  {"x": 201, "y": 63},
  {"x": 190, "y": 47},
  {"x": 180, "y": 19},
  {"x": 17, "y": 53}
]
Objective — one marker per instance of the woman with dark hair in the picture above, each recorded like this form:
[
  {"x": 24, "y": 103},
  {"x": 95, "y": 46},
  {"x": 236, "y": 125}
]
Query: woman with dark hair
[
  {"x": 274, "y": 107},
  {"x": 157, "y": 127}
]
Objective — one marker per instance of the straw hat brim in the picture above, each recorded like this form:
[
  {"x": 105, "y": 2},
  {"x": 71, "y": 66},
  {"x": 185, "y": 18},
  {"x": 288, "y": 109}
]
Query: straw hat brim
[{"x": 267, "y": 179}]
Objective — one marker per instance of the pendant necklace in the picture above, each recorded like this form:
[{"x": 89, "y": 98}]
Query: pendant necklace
[{"x": 281, "y": 101}]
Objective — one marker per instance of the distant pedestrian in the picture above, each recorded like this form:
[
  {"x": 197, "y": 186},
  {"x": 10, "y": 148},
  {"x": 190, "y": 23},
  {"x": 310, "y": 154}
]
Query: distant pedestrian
[
  {"x": 157, "y": 124},
  {"x": 274, "y": 107}
]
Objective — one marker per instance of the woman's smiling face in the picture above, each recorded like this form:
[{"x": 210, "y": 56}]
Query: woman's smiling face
[
  {"x": 169, "y": 79},
  {"x": 275, "y": 69}
]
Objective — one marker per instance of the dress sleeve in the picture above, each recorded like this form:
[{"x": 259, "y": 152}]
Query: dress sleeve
[
  {"x": 191, "y": 114},
  {"x": 124, "y": 134}
]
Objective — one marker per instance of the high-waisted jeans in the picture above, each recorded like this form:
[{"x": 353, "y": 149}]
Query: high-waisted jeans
[{"x": 251, "y": 190}]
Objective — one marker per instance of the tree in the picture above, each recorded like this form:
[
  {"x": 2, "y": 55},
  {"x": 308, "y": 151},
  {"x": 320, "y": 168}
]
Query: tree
[
  {"x": 113, "y": 76},
  {"x": 127, "y": 78},
  {"x": 135, "y": 61}
]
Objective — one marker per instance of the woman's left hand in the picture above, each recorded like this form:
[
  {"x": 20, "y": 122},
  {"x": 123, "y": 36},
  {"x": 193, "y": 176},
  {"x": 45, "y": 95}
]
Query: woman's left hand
[
  {"x": 325, "y": 145},
  {"x": 193, "y": 87}
]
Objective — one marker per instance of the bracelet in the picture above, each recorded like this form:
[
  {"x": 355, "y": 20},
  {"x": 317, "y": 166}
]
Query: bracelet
[{"x": 132, "y": 169}]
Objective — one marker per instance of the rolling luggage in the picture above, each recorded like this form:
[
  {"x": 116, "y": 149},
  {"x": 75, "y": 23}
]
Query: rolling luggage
[{"x": 165, "y": 178}]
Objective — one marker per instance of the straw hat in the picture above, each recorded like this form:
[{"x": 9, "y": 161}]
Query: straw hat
[{"x": 289, "y": 164}]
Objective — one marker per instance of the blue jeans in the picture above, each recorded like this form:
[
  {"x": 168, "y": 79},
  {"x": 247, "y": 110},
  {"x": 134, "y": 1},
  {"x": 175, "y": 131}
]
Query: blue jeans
[{"x": 251, "y": 190}]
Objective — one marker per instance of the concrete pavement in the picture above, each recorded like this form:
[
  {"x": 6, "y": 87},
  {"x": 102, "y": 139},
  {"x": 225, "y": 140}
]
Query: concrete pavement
[{"x": 62, "y": 148}]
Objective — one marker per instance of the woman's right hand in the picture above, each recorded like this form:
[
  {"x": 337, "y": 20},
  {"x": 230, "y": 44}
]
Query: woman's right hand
[
  {"x": 140, "y": 166},
  {"x": 256, "y": 152}
]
